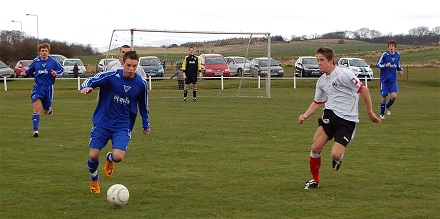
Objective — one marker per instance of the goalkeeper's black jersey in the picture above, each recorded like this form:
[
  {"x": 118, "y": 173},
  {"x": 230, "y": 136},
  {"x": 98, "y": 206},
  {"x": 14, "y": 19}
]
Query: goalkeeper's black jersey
[{"x": 191, "y": 65}]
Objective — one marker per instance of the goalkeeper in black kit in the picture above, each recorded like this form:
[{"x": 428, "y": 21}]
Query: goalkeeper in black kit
[{"x": 191, "y": 67}]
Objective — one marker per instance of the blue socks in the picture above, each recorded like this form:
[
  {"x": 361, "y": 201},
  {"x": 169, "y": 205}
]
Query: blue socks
[
  {"x": 390, "y": 103},
  {"x": 110, "y": 158},
  {"x": 35, "y": 121},
  {"x": 382, "y": 108},
  {"x": 93, "y": 168}
]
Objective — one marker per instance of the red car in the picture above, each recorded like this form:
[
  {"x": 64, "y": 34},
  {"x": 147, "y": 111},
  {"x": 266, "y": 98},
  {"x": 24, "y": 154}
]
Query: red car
[
  {"x": 214, "y": 65},
  {"x": 22, "y": 66}
]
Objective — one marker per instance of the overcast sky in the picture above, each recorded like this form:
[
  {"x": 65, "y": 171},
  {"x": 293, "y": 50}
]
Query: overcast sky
[{"x": 93, "y": 21}]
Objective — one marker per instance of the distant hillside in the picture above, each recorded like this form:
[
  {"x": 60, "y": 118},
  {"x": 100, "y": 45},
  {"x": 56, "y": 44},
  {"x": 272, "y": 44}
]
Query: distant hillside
[{"x": 287, "y": 53}]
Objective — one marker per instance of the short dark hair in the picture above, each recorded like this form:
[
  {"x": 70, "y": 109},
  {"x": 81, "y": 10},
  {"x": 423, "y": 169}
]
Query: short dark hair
[
  {"x": 124, "y": 46},
  {"x": 130, "y": 55},
  {"x": 392, "y": 42},
  {"x": 327, "y": 52}
]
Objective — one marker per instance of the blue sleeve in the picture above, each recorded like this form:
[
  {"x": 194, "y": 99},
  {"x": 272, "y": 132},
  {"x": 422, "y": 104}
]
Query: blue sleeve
[
  {"x": 381, "y": 62},
  {"x": 143, "y": 107},
  {"x": 398, "y": 63},
  {"x": 58, "y": 67},
  {"x": 31, "y": 69},
  {"x": 98, "y": 79}
]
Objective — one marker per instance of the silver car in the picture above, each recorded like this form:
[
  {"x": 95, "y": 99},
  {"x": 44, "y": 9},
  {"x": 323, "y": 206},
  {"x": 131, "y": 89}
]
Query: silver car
[
  {"x": 103, "y": 63},
  {"x": 6, "y": 71},
  {"x": 238, "y": 65}
]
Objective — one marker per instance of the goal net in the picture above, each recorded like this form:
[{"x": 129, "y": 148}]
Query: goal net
[{"x": 170, "y": 47}]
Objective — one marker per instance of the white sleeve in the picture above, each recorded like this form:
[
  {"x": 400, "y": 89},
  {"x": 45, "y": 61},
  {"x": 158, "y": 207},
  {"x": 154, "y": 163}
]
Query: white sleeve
[
  {"x": 140, "y": 71},
  {"x": 320, "y": 93}
]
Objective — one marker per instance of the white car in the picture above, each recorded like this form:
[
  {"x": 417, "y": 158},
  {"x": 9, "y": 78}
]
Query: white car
[
  {"x": 238, "y": 65},
  {"x": 68, "y": 67},
  {"x": 103, "y": 64},
  {"x": 360, "y": 68}
]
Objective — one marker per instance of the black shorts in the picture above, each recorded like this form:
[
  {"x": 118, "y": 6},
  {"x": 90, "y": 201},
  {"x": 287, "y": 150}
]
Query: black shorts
[
  {"x": 335, "y": 127},
  {"x": 191, "y": 79}
]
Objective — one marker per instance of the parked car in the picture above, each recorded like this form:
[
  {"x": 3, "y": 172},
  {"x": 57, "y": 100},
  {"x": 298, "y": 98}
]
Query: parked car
[
  {"x": 307, "y": 66},
  {"x": 59, "y": 57},
  {"x": 214, "y": 65},
  {"x": 68, "y": 67},
  {"x": 259, "y": 67},
  {"x": 6, "y": 71},
  {"x": 103, "y": 63},
  {"x": 152, "y": 66},
  {"x": 238, "y": 65},
  {"x": 21, "y": 66},
  {"x": 360, "y": 68}
]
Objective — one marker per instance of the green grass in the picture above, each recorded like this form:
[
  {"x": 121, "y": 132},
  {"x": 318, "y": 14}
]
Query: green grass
[{"x": 224, "y": 157}]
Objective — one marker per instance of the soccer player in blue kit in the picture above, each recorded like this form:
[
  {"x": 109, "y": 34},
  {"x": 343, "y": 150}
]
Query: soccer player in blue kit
[
  {"x": 121, "y": 93},
  {"x": 339, "y": 89},
  {"x": 45, "y": 70},
  {"x": 388, "y": 63}
]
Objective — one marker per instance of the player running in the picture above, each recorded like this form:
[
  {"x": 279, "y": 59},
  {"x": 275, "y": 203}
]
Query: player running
[
  {"x": 45, "y": 70},
  {"x": 388, "y": 63},
  {"x": 121, "y": 93},
  {"x": 339, "y": 90}
]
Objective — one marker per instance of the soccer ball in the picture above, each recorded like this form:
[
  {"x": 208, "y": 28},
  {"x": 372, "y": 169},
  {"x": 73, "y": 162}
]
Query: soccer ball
[{"x": 118, "y": 194}]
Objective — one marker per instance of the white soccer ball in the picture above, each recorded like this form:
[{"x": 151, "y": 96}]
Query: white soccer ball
[{"x": 118, "y": 194}]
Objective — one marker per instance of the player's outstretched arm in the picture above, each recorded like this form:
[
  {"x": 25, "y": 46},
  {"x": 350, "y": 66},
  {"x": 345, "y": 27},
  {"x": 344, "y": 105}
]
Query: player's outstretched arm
[
  {"x": 86, "y": 90},
  {"x": 310, "y": 111},
  {"x": 365, "y": 92}
]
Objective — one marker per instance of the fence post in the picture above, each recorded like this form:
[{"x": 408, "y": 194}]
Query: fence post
[
  {"x": 294, "y": 81},
  {"x": 259, "y": 82},
  {"x": 4, "y": 82},
  {"x": 222, "y": 83}
]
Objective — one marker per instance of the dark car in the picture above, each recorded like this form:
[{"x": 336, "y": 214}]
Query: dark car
[
  {"x": 307, "y": 66},
  {"x": 6, "y": 71},
  {"x": 259, "y": 67},
  {"x": 152, "y": 66}
]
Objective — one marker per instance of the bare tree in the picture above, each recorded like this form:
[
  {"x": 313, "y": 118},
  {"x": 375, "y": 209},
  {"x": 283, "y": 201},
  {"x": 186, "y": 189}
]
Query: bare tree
[{"x": 419, "y": 31}]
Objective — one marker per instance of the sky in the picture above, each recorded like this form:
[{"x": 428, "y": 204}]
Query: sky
[{"x": 91, "y": 22}]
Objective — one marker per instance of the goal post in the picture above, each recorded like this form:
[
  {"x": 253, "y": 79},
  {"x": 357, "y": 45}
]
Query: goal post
[{"x": 171, "y": 46}]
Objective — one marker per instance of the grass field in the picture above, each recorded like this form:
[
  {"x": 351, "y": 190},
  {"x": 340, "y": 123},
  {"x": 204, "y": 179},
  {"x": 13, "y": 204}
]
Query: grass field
[{"x": 224, "y": 157}]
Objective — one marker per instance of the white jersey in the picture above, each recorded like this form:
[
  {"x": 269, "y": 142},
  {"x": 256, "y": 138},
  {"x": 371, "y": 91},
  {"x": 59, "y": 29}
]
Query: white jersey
[
  {"x": 115, "y": 65},
  {"x": 340, "y": 93}
]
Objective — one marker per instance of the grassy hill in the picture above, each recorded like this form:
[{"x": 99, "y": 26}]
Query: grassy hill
[{"x": 287, "y": 53}]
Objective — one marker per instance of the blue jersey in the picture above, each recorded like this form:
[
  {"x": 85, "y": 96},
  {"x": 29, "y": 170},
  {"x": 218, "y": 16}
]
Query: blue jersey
[
  {"x": 388, "y": 74},
  {"x": 119, "y": 100},
  {"x": 41, "y": 69}
]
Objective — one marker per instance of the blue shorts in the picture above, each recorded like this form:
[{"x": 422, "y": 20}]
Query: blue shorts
[
  {"x": 45, "y": 93},
  {"x": 387, "y": 88},
  {"x": 100, "y": 136}
]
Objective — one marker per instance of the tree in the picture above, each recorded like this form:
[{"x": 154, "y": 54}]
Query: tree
[{"x": 419, "y": 31}]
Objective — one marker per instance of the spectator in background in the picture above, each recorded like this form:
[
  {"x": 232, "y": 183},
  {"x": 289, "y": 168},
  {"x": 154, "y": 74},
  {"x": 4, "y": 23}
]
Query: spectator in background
[
  {"x": 45, "y": 70},
  {"x": 179, "y": 75},
  {"x": 75, "y": 70}
]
